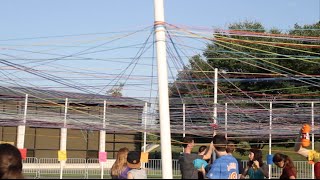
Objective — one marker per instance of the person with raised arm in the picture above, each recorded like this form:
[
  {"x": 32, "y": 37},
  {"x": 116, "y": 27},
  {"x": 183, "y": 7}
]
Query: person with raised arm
[{"x": 187, "y": 168}]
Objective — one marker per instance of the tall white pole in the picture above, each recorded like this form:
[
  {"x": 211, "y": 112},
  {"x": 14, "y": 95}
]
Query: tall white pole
[
  {"x": 226, "y": 119},
  {"x": 165, "y": 130},
  {"x": 184, "y": 119},
  {"x": 102, "y": 145},
  {"x": 270, "y": 138},
  {"x": 184, "y": 122},
  {"x": 215, "y": 113},
  {"x": 145, "y": 117},
  {"x": 63, "y": 138},
  {"x": 312, "y": 128},
  {"x": 215, "y": 101},
  {"x": 22, "y": 128},
  {"x": 145, "y": 111}
]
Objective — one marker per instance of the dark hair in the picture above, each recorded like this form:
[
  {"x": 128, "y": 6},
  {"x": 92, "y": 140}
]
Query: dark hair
[
  {"x": 231, "y": 147},
  {"x": 202, "y": 148},
  {"x": 220, "y": 142},
  {"x": 10, "y": 162},
  {"x": 257, "y": 157},
  {"x": 186, "y": 141},
  {"x": 278, "y": 157}
]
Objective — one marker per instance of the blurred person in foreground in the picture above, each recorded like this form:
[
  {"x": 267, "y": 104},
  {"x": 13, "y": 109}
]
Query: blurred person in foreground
[{"x": 10, "y": 162}]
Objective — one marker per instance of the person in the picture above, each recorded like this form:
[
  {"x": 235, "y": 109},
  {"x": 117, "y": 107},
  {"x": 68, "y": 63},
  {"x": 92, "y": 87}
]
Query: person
[
  {"x": 119, "y": 169},
  {"x": 284, "y": 162},
  {"x": 133, "y": 162},
  {"x": 157, "y": 155},
  {"x": 198, "y": 163},
  {"x": 312, "y": 156},
  {"x": 10, "y": 162},
  {"x": 225, "y": 166},
  {"x": 231, "y": 147},
  {"x": 256, "y": 169},
  {"x": 187, "y": 168}
]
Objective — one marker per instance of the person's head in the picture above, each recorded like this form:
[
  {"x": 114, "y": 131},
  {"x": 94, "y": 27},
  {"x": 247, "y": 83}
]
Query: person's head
[
  {"x": 133, "y": 160},
  {"x": 282, "y": 160},
  {"x": 122, "y": 155},
  {"x": 202, "y": 150},
  {"x": 231, "y": 147},
  {"x": 255, "y": 155},
  {"x": 10, "y": 162},
  {"x": 220, "y": 142},
  {"x": 188, "y": 142},
  {"x": 120, "y": 162}
]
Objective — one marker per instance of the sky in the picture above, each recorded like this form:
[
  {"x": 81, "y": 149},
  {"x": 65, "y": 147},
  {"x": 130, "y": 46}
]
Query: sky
[
  {"x": 32, "y": 18},
  {"x": 43, "y": 18}
]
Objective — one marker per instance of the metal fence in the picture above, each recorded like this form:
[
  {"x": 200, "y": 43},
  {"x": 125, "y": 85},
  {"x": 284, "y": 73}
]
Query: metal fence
[{"x": 77, "y": 168}]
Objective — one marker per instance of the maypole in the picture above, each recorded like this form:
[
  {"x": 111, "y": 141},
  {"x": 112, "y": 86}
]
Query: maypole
[{"x": 165, "y": 131}]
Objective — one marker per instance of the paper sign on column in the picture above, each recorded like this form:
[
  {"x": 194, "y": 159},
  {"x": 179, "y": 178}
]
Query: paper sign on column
[
  {"x": 62, "y": 155},
  {"x": 102, "y": 157},
  {"x": 144, "y": 157},
  {"x": 23, "y": 153}
]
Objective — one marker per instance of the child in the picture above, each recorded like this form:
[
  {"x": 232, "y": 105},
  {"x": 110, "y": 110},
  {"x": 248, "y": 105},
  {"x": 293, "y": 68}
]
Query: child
[{"x": 133, "y": 162}]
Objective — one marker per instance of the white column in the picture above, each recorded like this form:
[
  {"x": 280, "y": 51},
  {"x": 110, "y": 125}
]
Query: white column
[
  {"x": 145, "y": 120},
  {"x": 215, "y": 113},
  {"x": 312, "y": 129},
  {"x": 144, "y": 116},
  {"x": 270, "y": 138},
  {"x": 226, "y": 119},
  {"x": 22, "y": 128},
  {"x": 102, "y": 144},
  {"x": 184, "y": 119},
  {"x": 165, "y": 130},
  {"x": 63, "y": 138}
]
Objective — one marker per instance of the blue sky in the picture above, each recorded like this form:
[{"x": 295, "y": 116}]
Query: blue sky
[
  {"x": 31, "y": 18},
  {"x": 42, "y": 18}
]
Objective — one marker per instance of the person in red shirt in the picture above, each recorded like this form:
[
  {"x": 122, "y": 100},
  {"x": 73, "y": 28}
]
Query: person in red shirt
[{"x": 284, "y": 162}]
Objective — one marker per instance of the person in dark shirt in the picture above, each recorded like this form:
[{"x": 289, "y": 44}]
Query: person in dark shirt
[
  {"x": 284, "y": 162},
  {"x": 188, "y": 171}
]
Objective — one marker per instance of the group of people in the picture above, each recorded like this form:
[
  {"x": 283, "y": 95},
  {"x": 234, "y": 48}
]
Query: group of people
[
  {"x": 225, "y": 166},
  {"x": 128, "y": 165},
  {"x": 192, "y": 166}
]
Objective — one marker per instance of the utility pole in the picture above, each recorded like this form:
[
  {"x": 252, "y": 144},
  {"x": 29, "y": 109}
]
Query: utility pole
[{"x": 165, "y": 130}]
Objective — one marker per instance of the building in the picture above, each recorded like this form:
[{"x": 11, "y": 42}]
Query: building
[{"x": 45, "y": 116}]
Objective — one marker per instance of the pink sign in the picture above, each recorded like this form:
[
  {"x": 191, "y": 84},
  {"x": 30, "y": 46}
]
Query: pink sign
[
  {"x": 102, "y": 156},
  {"x": 23, "y": 153}
]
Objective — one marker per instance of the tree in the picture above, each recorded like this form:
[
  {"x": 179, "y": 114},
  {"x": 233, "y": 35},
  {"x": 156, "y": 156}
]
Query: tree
[
  {"x": 116, "y": 91},
  {"x": 258, "y": 52}
]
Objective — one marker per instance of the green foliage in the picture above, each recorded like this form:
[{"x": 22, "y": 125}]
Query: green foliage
[
  {"x": 116, "y": 91},
  {"x": 254, "y": 54}
]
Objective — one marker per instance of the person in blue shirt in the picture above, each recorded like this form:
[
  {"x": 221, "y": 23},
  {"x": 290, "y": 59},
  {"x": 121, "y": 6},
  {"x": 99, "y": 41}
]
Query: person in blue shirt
[{"x": 225, "y": 166}]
